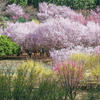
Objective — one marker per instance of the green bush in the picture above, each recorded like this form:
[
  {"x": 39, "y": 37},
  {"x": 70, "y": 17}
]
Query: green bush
[
  {"x": 21, "y": 20},
  {"x": 75, "y": 4},
  {"x": 22, "y": 3},
  {"x": 1, "y": 18},
  {"x": 8, "y": 47},
  {"x": 97, "y": 2}
]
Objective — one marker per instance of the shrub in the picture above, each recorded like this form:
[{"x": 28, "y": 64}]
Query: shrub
[
  {"x": 2, "y": 18},
  {"x": 75, "y": 4},
  {"x": 24, "y": 84},
  {"x": 70, "y": 73},
  {"x": 36, "y": 81},
  {"x": 36, "y": 21},
  {"x": 8, "y": 47},
  {"x": 49, "y": 91},
  {"x": 39, "y": 71},
  {"x": 5, "y": 83},
  {"x": 80, "y": 57},
  {"x": 22, "y": 3},
  {"x": 91, "y": 62}
]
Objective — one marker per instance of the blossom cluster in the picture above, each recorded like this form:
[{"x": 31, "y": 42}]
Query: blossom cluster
[{"x": 15, "y": 10}]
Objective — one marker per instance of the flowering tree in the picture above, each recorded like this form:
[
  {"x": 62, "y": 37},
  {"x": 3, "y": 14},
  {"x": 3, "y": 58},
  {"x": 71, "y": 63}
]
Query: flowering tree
[
  {"x": 16, "y": 11},
  {"x": 95, "y": 15},
  {"x": 62, "y": 33},
  {"x": 58, "y": 34},
  {"x": 65, "y": 53},
  {"x": 19, "y": 33},
  {"x": 51, "y": 10}
]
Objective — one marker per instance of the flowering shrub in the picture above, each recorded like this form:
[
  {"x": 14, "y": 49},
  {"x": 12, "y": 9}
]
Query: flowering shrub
[
  {"x": 71, "y": 71},
  {"x": 80, "y": 57},
  {"x": 39, "y": 71},
  {"x": 71, "y": 52},
  {"x": 26, "y": 17},
  {"x": 36, "y": 21},
  {"x": 70, "y": 74},
  {"x": 96, "y": 74},
  {"x": 91, "y": 62},
  {"x": 14, "y": 18},
  {"x": 95, "y": 15}
]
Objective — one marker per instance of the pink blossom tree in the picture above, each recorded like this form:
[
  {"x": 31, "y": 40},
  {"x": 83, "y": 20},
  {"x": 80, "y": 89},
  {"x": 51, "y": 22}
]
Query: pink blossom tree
[
  {"x": 51, "y": 10},
  {"x": 95, "y": 15},
  {"x": 20, "y": 32},
  {"x": 16, "y": 11}
]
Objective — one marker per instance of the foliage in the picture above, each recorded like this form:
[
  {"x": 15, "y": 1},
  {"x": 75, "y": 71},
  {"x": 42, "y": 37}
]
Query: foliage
[
  {"x": 2, "y": 18},
  {"x": 22, "y": 3},
  {"x": 75, "y": 4},
  {"x": 50, "y": 89},
  {"x": 91, "y": 62},
  {"x": 21, "y": 85},
  {"x": 21, "y": 20},
  {"x": 8, "y": 18},
  {"x": 5, "y": 83},
  {"x": 93, "y": 93},
  {"x": 97, "y": 2},
  {"x": 7, "y": 46},
  {"x": 38, "y": 69},
  {"x": 36, "y": 21}
]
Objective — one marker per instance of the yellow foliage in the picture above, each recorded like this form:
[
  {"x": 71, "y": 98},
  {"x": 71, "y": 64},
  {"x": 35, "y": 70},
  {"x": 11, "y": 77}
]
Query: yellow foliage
[
  {"x": 36, "y": 21},
  {"x": 96, "y": 72},
  {"x": 39, "y": 71},
  {"x": 88, "y": 60},
  {"x": 91, "y": 62},
  {"x": 80, "y": 57}
]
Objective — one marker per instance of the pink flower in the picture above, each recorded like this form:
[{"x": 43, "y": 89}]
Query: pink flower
[
  {"x": 71, "y": 70},
  {"x": 26, "y": 17},
  {"x": 15, "y": 17}
]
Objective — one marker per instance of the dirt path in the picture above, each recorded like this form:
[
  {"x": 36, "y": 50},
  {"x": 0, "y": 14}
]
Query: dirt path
[{"x": 22, "y": 58}]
